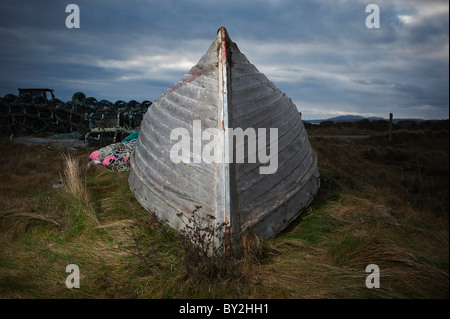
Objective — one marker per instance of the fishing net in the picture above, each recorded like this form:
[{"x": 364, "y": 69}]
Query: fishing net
[
  {"x": 133, "y": 137},
  {"x": 116, "y": 157}
]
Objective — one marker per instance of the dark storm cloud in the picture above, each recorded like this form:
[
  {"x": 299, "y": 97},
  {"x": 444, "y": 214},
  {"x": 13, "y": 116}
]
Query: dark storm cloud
[{"x": 319, "y": 52}]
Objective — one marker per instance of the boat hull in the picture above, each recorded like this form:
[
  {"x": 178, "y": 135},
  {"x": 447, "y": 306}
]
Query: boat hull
[{"x": 225, "y": 92}]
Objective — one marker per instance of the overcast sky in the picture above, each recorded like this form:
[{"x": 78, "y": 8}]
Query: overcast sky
[{"x": 320, "y": 53}]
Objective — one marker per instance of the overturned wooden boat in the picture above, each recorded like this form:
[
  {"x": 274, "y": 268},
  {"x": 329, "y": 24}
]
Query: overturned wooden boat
[{"x": 224, "y": 91}]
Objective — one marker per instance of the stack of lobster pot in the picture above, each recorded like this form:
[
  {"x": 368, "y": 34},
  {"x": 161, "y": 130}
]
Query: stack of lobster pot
[{"x": 27, "y": 114}]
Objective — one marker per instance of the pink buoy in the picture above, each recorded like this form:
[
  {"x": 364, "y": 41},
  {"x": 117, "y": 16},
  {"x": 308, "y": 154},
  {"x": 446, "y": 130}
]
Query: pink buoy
[
  {"x": 108, "y": 160},
  {"x": 94, "y": 156}
]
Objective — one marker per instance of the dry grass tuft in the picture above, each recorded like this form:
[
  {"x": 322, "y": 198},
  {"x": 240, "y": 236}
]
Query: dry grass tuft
[
  {"x": 73, "y": 182},
  {"x": 253, "y": 249}
]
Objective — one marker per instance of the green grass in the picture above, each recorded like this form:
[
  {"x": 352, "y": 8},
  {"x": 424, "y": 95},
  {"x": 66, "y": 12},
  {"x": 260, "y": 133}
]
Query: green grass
[
  {"x": 375, "y": 205},
  {"x": 313, "y": 228}
]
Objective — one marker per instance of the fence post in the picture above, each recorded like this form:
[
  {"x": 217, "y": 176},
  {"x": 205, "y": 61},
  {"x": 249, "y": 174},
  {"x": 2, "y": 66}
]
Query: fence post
[{"x": 390, "y": 127}]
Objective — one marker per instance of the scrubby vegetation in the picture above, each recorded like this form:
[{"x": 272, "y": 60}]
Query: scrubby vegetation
[{"x": 380, "y": 202}]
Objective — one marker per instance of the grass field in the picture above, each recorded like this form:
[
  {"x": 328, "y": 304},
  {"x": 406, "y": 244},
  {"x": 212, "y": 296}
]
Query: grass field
[{"x": 380, "y": 202}]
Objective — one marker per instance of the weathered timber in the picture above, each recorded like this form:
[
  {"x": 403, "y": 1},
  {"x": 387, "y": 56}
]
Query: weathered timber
[{"x": 224, "y": 90}]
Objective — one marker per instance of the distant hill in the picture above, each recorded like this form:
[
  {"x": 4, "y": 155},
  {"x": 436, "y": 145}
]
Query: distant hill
[
  {"x": 345, "y": 118},
  {"x": 354, "y": 118},
  {"x": 376, "y": 123}
]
